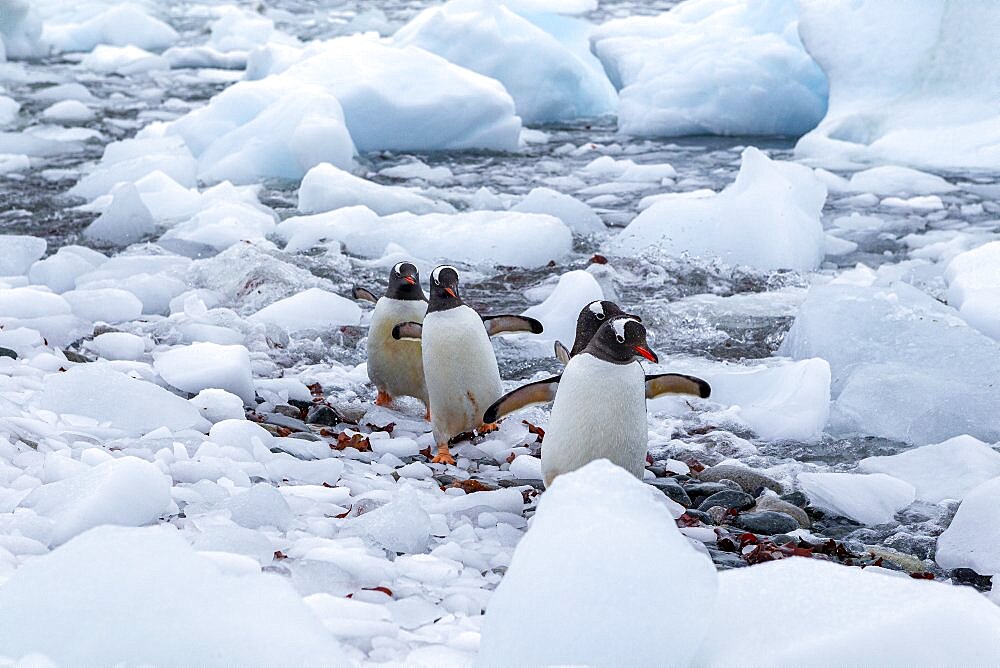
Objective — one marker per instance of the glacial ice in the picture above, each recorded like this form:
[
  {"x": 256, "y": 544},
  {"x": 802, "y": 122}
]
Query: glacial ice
[
  {"x": 560, "y": 310},
  {"x": 974, "y": 287},
  {"x": 576, "y": 215},
  {"x": 971, "y": 540},
  {"x": 125, "y": 24},
  {"x": 326, "y": 187}
]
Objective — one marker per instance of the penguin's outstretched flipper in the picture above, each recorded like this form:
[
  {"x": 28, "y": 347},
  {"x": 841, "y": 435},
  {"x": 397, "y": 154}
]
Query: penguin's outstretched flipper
[
  {"x": 562, "y": 353},
  {"x": 676, "y": 383},
  {"x": 498, "y": 324},
  {"x": 407, "y": 331},
  {"x": 364, "y": 294},
  {"x": 539, "y": 392}
]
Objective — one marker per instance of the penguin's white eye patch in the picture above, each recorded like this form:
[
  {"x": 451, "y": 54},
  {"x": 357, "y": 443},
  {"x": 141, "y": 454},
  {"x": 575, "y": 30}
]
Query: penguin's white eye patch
[
  {"x": 436, "y": 274},
  {"x": 597, "y": 309},
  {"x": 619, "y": 326},
  {"x": 396, "y": 268}
]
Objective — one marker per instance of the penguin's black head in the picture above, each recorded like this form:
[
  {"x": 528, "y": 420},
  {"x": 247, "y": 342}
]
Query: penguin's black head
[
  {"x": 444, "y": 289},
  {"x": 620, "y": 341},
  {"x": 592, "y": 316},
  {"x": 404, "y": 283}
]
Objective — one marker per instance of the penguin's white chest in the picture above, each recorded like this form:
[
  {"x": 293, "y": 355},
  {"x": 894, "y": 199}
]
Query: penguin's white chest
[
  {"x": 599, "y": 413},
  {"x": 396, "y": 366},
  {"x": 460, "y": 368}
]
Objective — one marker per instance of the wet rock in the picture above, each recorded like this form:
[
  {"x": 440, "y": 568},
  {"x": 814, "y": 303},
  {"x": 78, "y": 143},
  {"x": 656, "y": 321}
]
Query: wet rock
[
  {"x": 521, "y": 482},
  {"x": 731, "y": 484},
  {"x": 284, "y": 421},
  {"x": 322, "y": 415},
  {"x": 767, "y": 522},
  {"x": 770, "y": 501},
  {"x": 699, "y": 491},
  {"x": 672, "y": 489},
  {"x": 726, "y": 560},
  {"x": 290, "y": 411},
  {"x": 796, "y": 498},
  {"x": 718, "y": 515},
  {"x": 697, "y": 514},
  {"x": 104, "y": 329},
  {"x": 350, "y": 413},
  {"x": 7, "y": 352},
  {"x": 967, "y": 576},
  {"x": 75, "y": 357},
  {"x": 922, "y": 547},
  {"x": 749, "y": 480},
  {"x": 306, "y": 436},
  {"x": 727, "y": 499},
  {"x": 906, "y": 562}
]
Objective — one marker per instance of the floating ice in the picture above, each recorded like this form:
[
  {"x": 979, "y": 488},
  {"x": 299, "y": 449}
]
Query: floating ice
[
  {"x": 576, "y": 215},
  {"x": 312, "y": 309},
  {"x": 124, "y": 60},
  {"x": 547, "y": 81},
  {"x": 628, "y": 557},
  {"x": 68, "y": 111},
  {"x": 21, "y": 30},
  {"x": 201, "y": 366},
  {"x": 239, "y": 30},
  {"x": 30, "y": 302},
  {"x": 893, "y": 180},
  {"x": 110, "y": 305},
  {"x": 910, "y": 82},
  {"x": 119, "y": 345},
  {"x": 132, "y": 159},
  {"x": 869, "y": 499},
  {"x": 326, "y": 187},
  {"x": 973, "y": 538},
  {"x": 974, "y": 287},
  {"x": 125, "y": 221},
  {"x": 560, "y": 310},
  {"x": 18, "y": 252},
  {"x": 122, "y": 25},
  {"x": 126, "y": 492},
  {"x": 418, "y": 169},
  {"x": 9, "y": 109},
  {"x": 947, "y": 470},
  {"x": 155, "y": 581},
  {"x": 60, "y": 271},
  {"x": 769, "y": 218},
  {"x": 223, "y": 223},
  {"x": 713, "y": 67}
]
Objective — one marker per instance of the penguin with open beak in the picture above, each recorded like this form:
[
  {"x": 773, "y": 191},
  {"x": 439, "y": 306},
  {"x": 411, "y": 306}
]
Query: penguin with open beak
[{"x": 460, "y": 367}]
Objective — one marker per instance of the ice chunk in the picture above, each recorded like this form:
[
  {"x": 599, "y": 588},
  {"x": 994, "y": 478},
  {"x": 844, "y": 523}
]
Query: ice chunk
[
  {"x": 403, "y": 99},
  {"x": 66, "y": 91},
  {"x": 240, "y": 30},
  {"x": 892, "y": 180},
  {"x": 21, "y": 30},
  {"x": 526, "y": 467},
  {"x": 576, "y": 215},
  {"x": 217, "y": 405},
  {"x": 60, "y": 271},
  {"x": 910, "y": 82},
  {"x": 547, "y": 81},
  {"x": 119, "y": 346},
  {"x": 399, "y": 526},
  {"x": 124, "y": 60},
  {"x": 310, "y": 309},
  {"x": 869, "y": 499},
  {"x": 973, "y": 538},
  {"x": 868, "y": 618},
  {"x": 110, "y": 305},
  {"x": 125, "y": 221},
  {"x": 132, "y": 159},
  {"x": 239, "y": 433},
  {"x": 560, "y": 310},
  {"x": 126, "y": 492},
  {"x": 326, "y": 187},
  {"x": 25, "y": 303},
  {"x": 123, "y": 603},
  {"x": 623, "y": 539},
  {"x": 947, "y": 470},
  {"x": 134, "y": 406},
  {"x": 18, "y": 252},
  {"x": 713, "y": 67},
  {"x": 201, "y": 366},
  {"x": 9, "y": 109},
  {"x": 223, "y": 223},
  {"x": 260, "y": 506},
  {"x": 974, "y": 287},
  {"x": 68, "y": 111},
  {"x": 903, "y": 365},
  {"x": 769, "y": 218},
  {"x": 418, "y": 169},
  {"x": 120, "y": 25}
]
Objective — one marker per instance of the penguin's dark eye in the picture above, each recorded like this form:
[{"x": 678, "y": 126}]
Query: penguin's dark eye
[
  {"x": 621, "y": 339},
  {"x": 600, "y": 316}
]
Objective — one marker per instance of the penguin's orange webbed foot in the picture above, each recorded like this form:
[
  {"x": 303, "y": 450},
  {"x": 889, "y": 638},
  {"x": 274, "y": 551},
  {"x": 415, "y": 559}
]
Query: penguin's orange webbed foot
[
  {"x": 488, "y": 428},
  {"x": 443, "y": 456},
  {"x": 383, "y": 398}
]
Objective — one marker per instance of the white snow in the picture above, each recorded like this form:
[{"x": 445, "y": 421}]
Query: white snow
[
  {"x": 18, "y": 252},
  {"x": 138, "y": 583},
  {"x": 560, "y": 310},
  {"x": 972, "y": 539},
  {"x": 547, "y": 81},
  {"x": 911, "y": 83},
  {"x": 576, "y": 215},
  {"x": 713, "y": 67},
  {"x": 326, "y": 187},
  {"x": 201, "y": 366},
  {"x": 310, "y": 309},
  {"x": 869, "y": 499},
  {"x": 947, "y": 470},
  {"x": 767, "y": 219}
]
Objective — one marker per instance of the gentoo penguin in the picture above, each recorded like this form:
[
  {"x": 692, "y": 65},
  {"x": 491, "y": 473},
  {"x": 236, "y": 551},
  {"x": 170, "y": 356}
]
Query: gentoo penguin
[
  {"x": 591, "y": 317},
  {"x": 599, "y": 410},
  {"x": 459, "y": 363},
  {"x": 395, "y": 366}
]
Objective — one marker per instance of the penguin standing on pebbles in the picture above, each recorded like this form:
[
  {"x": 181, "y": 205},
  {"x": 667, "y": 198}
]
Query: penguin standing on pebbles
[
  {"x": 395, "y": 367},
  {"x": 460, "y": 367}
]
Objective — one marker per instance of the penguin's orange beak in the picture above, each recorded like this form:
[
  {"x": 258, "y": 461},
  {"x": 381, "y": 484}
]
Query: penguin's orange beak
[
  {"x": 647, "y": 353},
  {"x": 451, "y": 292},
  {"x": 410, "y": 280}
]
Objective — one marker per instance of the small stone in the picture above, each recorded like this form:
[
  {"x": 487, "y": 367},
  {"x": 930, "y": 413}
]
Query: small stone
[
  {"x": 322, "y": 415},
  {"x": 290, "y": 411},
  {"x": 672, "y": 489},
  {"x": 285, "y": 421},
  {"x": 727, "y": 499},
  {"x": 717, "y": 515},
  {"x": 350, "y": 413},
  {"x": 770, "y": 501},
  {"x": 796, "y": 498},
  {"x": 731, "y": 484},
  {"x": 907, "y": 562},
  {"x": 726, "y": 560},
  {"x": 767, "y": 522},
  {"x": 7, "y": 352},
  {"x": 105, "y": 329},
  {"x": 967, "y": 576},
  {"x": 697, "y": 514},
  {"x": 699, "y": 491},
  {"x": 749, "y": 480},
  {"x": 75, "y": 357}
]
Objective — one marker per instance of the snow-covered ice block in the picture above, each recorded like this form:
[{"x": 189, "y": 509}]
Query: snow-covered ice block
[
  {"x": 526, "y": 467},
  {"x": 560, "y": 310},
  {"x": 127, "y": 491},
  {"x": 769, "y": 218},
  {"x": 118, "y": 346},
  {"x": 110, "y": 305},
  {"x": 474, "y": 237},
  {"x": 132, "y": 159},
  {"x": 972, "y": 540},
  {"x": 18, "y": 252},
  {"x": 713, "y": 67},
  {"x": 138, "y": 583},
  {"x": 119, "y": 25},
  {"x": 124, "y": 60},
  {"x": 904, "y": 366},
  {"x": 217, "y": 405},
  {"x": 125, "y": 221},
  {"x": 622, "y": 539},
  {"x": 134, "y": 406},
  {"x": 815, "y": 613},
  {"x": 576, "y": 215},
  {"x": 326, "y": 187},
  {"x": 911, "y": 82},
  {"x": 201, "y": 366},
  {"x": 310, "y": 309},
  {"x": 546, "y": 79},
  {"x": 404, "y": 99},
  {"x": 947, "y": 470},
  {"x": 869, "y": 499}
]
